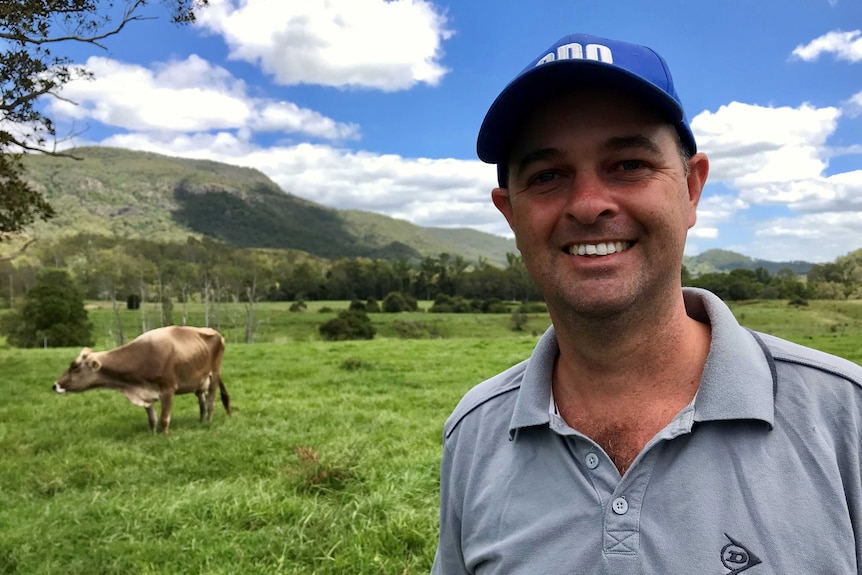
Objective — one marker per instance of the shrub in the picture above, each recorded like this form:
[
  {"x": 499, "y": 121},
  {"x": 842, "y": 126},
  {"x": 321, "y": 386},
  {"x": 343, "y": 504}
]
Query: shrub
[
  {"x": 397, "y": 301},
  {"x": 371, "y": 306},
  {"x": 325, "y": 309},
  {"x": 350, "y": 324},
  {"x": 519, "y": 319},
  {"x": 494, "y": 305},
  {"x": 298, "y": 305},
  {"x": 415, "y": 330},
  {"x": 798, "y": 301},
  {"x": 53, "y": 314},
  {"x": 357, "y": 305},
  {"x": 533, "y": 307},
  {"x": 457, "y": 304}
]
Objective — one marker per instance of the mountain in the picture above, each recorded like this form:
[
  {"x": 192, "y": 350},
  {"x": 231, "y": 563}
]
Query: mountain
[
  {"x": 712, "y": 261},
  {"x": 132, "y": 194}
]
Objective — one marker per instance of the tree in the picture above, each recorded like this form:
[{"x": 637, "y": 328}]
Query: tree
[
  {"x": 30, "y": 69},
  {"x": 53, "y": 315}
]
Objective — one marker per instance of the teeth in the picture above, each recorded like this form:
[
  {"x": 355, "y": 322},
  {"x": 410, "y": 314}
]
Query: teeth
[{"x": 601, "y": 249}]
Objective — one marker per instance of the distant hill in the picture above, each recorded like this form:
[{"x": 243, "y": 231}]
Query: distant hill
[
  {"x": 124, "y": 193},
  {"x": 712, "y": 261},
  {"x": 130, "y": 194}
]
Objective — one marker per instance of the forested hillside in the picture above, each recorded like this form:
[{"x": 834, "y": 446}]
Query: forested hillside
[{"x": 129, "y": 194}]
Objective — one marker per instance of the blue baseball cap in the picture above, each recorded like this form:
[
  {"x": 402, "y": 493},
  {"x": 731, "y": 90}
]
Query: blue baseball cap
[{"x": 578, "y": 61}]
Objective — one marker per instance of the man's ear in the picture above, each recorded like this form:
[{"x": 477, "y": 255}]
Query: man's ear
[
  {"x": 500, "y": 197},
  {"x": 698, "y": 170}
]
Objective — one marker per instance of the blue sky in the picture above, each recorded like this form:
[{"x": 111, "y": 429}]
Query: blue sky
[{"x": 375, "y": 105}]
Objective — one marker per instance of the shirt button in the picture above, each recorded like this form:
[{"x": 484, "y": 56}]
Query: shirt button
[
  {"x": 592, "y": 460},
  {"x": 620, "y": 505}
]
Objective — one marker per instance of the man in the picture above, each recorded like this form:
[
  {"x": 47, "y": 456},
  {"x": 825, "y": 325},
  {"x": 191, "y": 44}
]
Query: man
[{"x": 648, "y": 432}]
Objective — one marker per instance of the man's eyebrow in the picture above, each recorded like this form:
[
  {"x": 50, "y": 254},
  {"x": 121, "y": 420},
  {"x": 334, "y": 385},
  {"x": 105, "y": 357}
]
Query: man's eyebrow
[
  {"x": 536, "y": 156},
  {"x": 619, "y": 143}
]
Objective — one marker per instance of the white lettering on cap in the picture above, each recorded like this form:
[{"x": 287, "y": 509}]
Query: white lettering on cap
[{"x": 575, "y": 51}]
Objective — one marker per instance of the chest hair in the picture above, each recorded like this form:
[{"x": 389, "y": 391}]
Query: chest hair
[{"x": 621, "y": 439}]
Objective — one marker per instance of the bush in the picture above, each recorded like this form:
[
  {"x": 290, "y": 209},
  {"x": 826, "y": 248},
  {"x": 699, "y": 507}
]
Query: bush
[
  {"x": 798, "y": 301},
  {"x": 415, "y": 330},
  {"x": 53, "y": 314},
  {"x": 457, "y": 304},
  {"x": 298, "y": 306},
  {"x": 350, "y": 324},
  {"x": 396, "y": 302},
  {"x": 371, "y": 306},
  {"x": 519, "y": 319},
  {"x": 357, "y": 305},
  {"x": 494, "y": 305}
]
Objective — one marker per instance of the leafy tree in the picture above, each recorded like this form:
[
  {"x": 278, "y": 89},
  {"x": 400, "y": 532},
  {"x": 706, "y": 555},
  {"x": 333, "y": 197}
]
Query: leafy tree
[
  {"x": 53, "y": 315},
  {"x": 30, "y": 31}
]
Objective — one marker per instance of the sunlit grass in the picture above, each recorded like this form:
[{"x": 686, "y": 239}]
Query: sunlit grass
[{"x": 329, "y": 464}]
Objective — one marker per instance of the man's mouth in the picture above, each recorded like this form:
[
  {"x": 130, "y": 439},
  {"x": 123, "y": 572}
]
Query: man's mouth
[{"x": 600, "y": 249}]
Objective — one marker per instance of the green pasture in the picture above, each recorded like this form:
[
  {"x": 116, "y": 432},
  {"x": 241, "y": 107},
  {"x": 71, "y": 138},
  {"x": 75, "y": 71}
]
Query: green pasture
[
  {"x": 273, "y": 322},
  {"x": 329, "y": 464}
]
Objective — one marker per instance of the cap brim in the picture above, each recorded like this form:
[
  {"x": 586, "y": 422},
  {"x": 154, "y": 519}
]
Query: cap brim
[{"x": 512, "y": 107}]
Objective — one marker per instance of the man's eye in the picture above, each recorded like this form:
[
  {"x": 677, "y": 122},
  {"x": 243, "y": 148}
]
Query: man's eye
[
  {"x": 544, "y": 177},
  {"x": 631, "y": 165}
]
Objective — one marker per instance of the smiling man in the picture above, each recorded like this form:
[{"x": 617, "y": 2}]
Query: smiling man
[{"x": 648, "y": 432}]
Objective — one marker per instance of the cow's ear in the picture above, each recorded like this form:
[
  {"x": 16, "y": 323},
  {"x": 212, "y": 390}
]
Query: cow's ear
[
  {"x": 85, "y": 353},
  {"x": 95, "y": 364}
]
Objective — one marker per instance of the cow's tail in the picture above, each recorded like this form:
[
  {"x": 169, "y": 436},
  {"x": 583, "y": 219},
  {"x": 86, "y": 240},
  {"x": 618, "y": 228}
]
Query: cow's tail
[{"x": 225, "y": 398}]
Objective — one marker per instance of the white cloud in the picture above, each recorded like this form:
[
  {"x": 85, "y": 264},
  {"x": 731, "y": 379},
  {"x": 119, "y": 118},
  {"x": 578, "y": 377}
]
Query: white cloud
[
  {"x": 844, "y": 45},
  {"x": 853, "y": 105},
  {"x": 190, "y": 95},
  {"x": 751, "y": 145},
  {"x": 811, "y": 237},
  {"x": 778, "y": 157},
  {"x": 387, "y": 45}
]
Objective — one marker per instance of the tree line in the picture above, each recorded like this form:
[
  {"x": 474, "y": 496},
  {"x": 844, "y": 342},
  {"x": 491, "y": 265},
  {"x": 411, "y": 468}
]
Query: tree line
[{"x": 167, "y": 276}]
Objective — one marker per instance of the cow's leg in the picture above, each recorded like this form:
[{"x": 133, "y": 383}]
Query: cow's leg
[
  {"x": 167, "y": 401},
  {"x": 202, "y": 403},
  {"x": 211, "y": 393},
  {"x": 151, "y": 417}
]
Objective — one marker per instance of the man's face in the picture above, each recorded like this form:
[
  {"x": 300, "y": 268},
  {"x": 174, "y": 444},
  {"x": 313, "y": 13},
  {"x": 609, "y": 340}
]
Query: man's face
[{"x": 600, "y": 203}]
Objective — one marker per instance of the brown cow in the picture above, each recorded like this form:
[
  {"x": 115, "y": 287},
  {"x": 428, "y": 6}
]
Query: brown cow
[{"x": 153, "y": 367}]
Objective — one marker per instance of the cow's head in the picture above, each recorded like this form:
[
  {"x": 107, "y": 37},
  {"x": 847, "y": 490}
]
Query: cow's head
[{"x": 81, "y": 375}]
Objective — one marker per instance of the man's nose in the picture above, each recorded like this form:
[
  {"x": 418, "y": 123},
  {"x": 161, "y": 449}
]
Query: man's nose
[{"x": 590, "y": 198}]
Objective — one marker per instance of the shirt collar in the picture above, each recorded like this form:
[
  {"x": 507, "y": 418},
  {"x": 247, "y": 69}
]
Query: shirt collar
[{"x": 737, "y": 380}]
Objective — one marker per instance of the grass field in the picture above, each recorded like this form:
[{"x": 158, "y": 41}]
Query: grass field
[{"x": 329, "y": 464}]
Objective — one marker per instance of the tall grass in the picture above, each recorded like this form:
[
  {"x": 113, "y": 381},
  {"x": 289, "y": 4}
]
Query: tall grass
[{"x": 329, "y": 464}]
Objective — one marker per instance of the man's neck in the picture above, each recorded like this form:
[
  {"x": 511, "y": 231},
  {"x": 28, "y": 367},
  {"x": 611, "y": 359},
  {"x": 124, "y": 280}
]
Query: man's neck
[
  {"x": 621, "y": 387},
  {"x": 645, "y": 361}
]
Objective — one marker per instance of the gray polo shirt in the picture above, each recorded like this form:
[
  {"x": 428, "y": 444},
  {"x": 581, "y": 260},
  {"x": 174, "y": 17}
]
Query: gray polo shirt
[{"x": 759, "y": 475}]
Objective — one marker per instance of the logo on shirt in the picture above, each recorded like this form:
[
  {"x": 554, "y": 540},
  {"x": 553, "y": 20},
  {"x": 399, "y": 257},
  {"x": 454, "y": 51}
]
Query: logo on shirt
[{"x": 736, "y": 557}]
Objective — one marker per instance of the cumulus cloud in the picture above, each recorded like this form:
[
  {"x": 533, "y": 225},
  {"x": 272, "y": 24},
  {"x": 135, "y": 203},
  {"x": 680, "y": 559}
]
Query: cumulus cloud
[
  {"x": 812, "y": 237},
  {"x": 844, "y": 45},
  {"x": 189, "y": 95},
  {"x": 381, "y": 44},
  {"x": 750, "y": 145},
  {"x": 771, "y": 155},
  {"x": 779, "y": 157}
]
